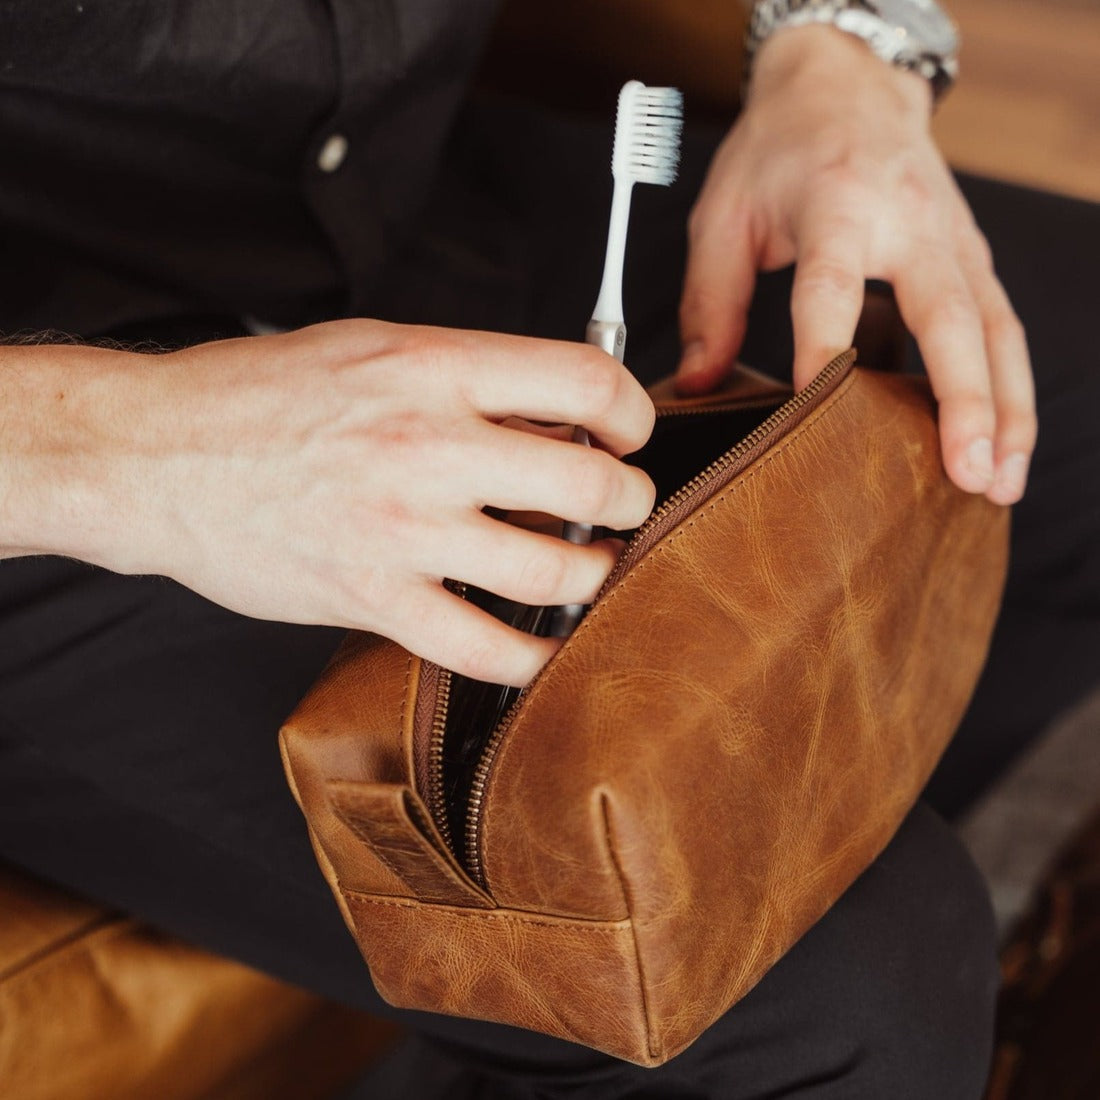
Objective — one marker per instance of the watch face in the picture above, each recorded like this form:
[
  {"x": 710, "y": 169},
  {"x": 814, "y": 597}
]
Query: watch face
[{"x": 925, "y": 21}]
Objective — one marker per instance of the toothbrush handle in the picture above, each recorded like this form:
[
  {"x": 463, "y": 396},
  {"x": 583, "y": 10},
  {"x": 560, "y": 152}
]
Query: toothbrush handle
[{"x": 611, "y": 336}]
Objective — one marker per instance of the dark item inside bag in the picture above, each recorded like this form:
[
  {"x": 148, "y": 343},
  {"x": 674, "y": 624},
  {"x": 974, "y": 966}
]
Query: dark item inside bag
[{"x": 683, "y": 445}]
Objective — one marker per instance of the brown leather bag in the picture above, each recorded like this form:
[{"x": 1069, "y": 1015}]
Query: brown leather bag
[{"x": 729, "y": 738}]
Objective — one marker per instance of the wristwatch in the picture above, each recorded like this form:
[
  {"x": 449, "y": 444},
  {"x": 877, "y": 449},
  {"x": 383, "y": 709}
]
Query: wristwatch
[{"x": 917, "y": 35}]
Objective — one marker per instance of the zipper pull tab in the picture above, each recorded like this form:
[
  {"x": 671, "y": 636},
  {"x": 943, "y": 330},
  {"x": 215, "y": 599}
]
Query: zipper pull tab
[{"x": 395, "y": 825}]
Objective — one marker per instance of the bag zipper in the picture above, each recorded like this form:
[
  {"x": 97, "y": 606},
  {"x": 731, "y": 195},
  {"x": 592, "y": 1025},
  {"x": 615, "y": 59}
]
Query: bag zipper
[
  {"x": 671, "y": 513},
  {"x": 433, "y": 765},
  {"x": 727, "y": 466}
]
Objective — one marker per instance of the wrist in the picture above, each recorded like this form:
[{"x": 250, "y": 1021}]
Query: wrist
[
  {"x": 819, "y": 57},
  {"x": 73, "y": 439}
]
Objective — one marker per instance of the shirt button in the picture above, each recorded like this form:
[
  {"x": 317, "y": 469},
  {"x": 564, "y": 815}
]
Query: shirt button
[{"x": 332, "y": 153}]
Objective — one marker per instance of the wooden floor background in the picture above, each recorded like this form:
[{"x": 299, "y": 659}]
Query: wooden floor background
[{"x": 1027, "y": 104}]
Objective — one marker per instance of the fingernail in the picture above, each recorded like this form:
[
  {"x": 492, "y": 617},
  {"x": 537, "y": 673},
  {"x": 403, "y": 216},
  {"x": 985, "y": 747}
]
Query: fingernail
[
  {"x": 1011, "y": 479},
  {"x": 691, "y": 361},
  {"x": 979, "y": 457}
]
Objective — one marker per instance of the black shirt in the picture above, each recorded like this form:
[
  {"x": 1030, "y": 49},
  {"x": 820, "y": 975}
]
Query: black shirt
[{"x": 264, "y": 157}]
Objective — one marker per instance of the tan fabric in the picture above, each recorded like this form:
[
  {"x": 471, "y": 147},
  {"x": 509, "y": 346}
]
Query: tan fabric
[
  {"x": 95, "y": 1006},
  {"x": 733, "y": 733}
]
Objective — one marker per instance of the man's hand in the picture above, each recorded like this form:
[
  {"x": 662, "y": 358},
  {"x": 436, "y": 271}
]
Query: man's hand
[
  {"x": 333, "y": 475},
  {"x": 832, "y": 166}
]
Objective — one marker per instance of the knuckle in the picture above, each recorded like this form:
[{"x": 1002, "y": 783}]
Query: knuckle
[
  {"x": 693, "y": 306},
  {"x": 442, "y": 356},
  {"x": 702, "y": 304},
  {"x": 594, "y": 488},
  {"x": 643, "y": 429},
  {"x": 917, "y": 195},
  {"x": 844, "y": 176},
  {"x": 647, "y": 496},
  {"x": 481, "y": 657},
  {"x": 351, "y": 329},
  {"x": 968, "y": 411},
  {"x": 599, "y": 379},
  {"x": 543, "y": 574},
  {"x": 369, "y": 594},
  {"x": 635, "y": 498},
  {"x": 827, "y": 277},
  {"x": 404, "y": 431},
  {"x": 980, "y": 250},
  {"x": 393, "y": 514},
  {"x": 1006, "y": 327},
  {"x": 413, "y": 441},
  {"x": 954, "y": 308},
  {"x": 1018, "y": 428}
]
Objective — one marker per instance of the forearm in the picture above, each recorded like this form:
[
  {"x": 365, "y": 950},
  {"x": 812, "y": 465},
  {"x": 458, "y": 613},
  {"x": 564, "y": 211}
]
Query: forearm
[{"x": 331, "y": 475}]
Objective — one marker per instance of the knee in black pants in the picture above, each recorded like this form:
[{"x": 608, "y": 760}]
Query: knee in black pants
[
  {"x": 889, "y": 997},
  {"x": 919, "y": 990}
]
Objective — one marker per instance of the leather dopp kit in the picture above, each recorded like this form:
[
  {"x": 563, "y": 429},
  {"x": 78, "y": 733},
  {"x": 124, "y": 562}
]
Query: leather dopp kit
[{"x": 731, "y": 735}]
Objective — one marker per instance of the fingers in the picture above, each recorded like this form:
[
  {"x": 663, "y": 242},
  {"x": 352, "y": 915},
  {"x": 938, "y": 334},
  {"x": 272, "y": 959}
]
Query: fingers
[
  {"x": 939, "y": 309},
  {"x": 975, "y": 352},
  {"x": 439, "y": 626},
  {"x": 556, "y": 381},
  {"x": 827, "y": 296},
  {"x": 1010, "y": 373},
  {"x": 521, "y": 471},
  {"x": 718, "y": 286},
  {"x": 523, "y": 565}
]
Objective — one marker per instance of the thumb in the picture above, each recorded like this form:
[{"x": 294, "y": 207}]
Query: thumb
[{"x": 714, "y": 306}]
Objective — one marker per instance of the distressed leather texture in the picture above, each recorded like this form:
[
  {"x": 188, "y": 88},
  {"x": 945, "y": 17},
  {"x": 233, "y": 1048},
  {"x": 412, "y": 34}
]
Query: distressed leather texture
[{"x": 732, "y": 734}]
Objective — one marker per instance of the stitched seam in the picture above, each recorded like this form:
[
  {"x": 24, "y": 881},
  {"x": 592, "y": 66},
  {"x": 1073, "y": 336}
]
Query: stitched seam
[
  {"x": 647, "y": 1018},
  {"x": 565, "y": 923},
  {"x": 442, "y": 895},
  {"x": 403, "y": 710},
  {"x": 405, "y": 692}
]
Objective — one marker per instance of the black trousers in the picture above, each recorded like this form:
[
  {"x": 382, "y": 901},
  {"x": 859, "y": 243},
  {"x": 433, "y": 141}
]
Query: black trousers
[{"x": 137, "y": 720}]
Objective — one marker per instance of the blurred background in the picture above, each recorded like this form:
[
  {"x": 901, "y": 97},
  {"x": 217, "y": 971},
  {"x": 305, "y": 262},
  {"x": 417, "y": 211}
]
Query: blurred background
[
  {"x": 1027, "y": 105},
  {"x": 1026, "y": 108}
]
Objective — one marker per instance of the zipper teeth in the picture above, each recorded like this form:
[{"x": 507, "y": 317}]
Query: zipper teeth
[
  {"x": 437, "y": 801},
  {"x": 665, "y": 413},
  {"x": 477, "y": 792},
  {"x": 726, "y": 464}
]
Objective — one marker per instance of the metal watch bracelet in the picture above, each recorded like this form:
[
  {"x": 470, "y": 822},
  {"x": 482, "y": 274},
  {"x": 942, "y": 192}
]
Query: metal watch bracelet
[{"x": 893, "y": 44}]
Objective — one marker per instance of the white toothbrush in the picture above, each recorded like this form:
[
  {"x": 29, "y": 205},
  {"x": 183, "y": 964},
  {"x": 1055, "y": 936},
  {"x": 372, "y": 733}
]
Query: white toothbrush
[{"x": 646, "y": 150}]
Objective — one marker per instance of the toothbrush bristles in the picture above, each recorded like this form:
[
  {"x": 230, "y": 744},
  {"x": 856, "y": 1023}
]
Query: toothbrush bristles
[{"x": 647, "y": 134}]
